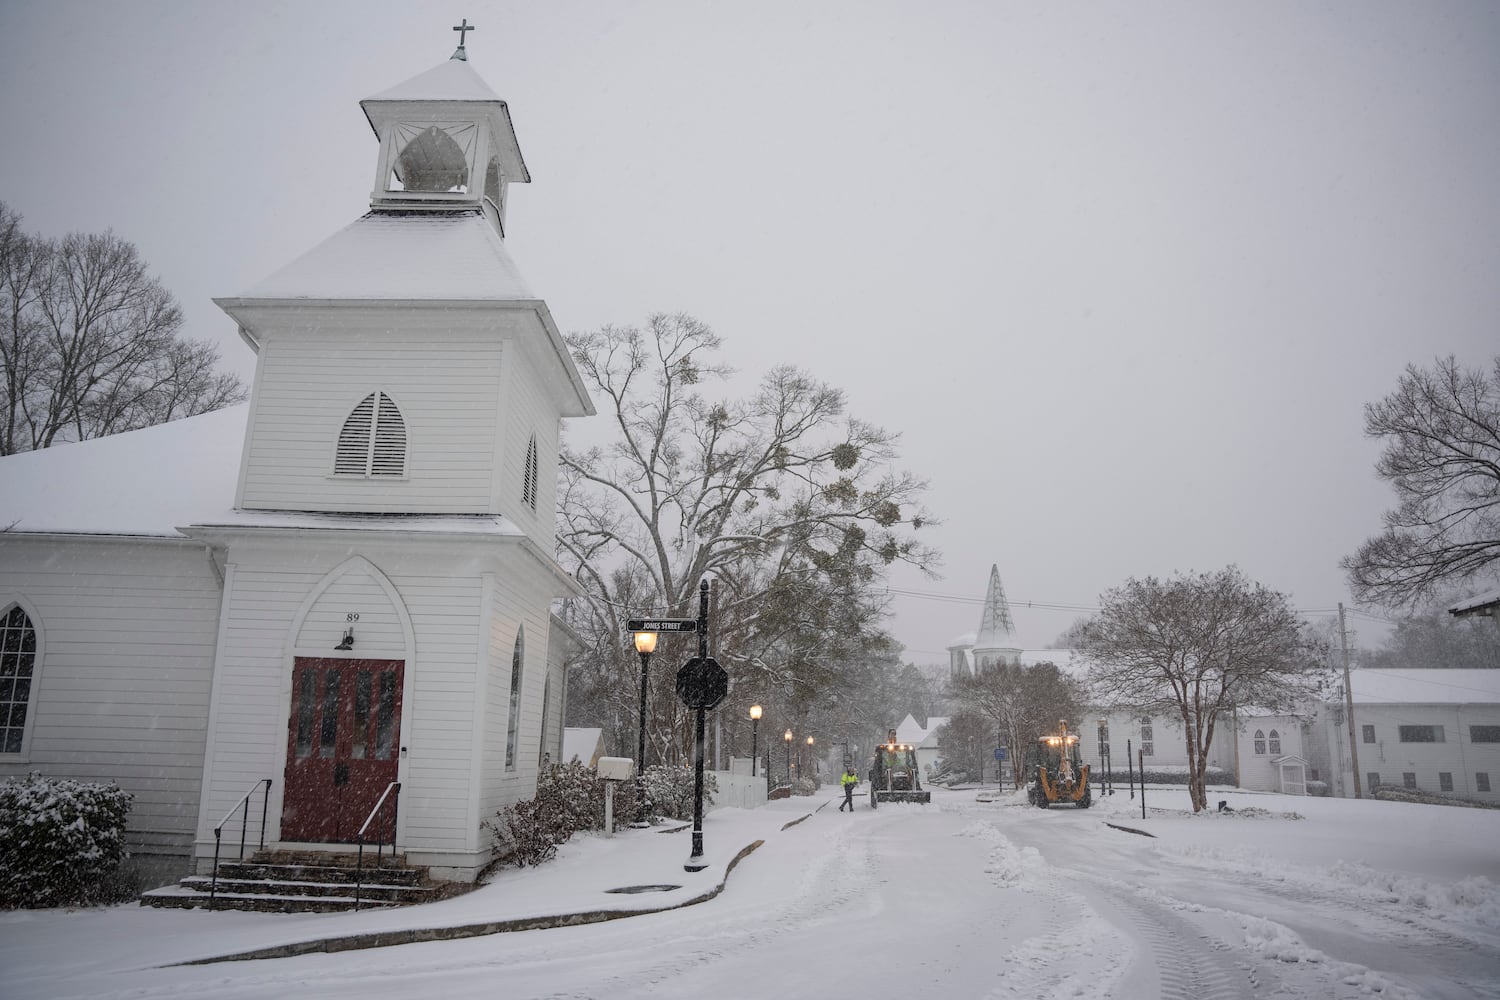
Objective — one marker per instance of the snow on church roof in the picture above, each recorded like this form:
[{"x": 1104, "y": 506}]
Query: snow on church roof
[
  {"x": 144, "y": 482},
  {"x": 451, "y": 80},
  {"x": 157, "y": 480},
  {"x": 461, "y": 257}
]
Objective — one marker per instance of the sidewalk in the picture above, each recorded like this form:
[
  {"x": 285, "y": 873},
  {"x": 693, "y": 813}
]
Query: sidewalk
[{"x": 573, "y": 888}]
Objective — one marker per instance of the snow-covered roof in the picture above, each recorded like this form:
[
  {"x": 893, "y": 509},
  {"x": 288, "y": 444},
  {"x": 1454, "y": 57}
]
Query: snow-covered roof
[
  {"x": 965, "y": 641},
  {"x": 461, "y": 257},
  {"x": 178, "y": 475},
  {"x": 452, "y": 80},
  {"x": 1487, "y": 600},
  {"x": 583, "y": 743},
  {"x": 910, "y": 731},
  {"x": 1425, "y": 687},
  {"x": 145, "y": 482}
]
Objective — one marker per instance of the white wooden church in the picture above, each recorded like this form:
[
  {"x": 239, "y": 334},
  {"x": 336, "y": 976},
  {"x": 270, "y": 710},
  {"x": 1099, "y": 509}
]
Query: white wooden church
[{"x": 346, "y": 582}]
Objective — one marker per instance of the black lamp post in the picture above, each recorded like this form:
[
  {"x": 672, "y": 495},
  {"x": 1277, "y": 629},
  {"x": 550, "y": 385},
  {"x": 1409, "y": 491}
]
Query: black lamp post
[
  {"x": 645, "y": 644},
  {"x": 811, "y": 759},
  {"x": 788, "y": 737},
  {"x": 755, "y": 711}
]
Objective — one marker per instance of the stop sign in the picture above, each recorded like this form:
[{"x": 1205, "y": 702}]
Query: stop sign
[{"x": 702, "y": 683}]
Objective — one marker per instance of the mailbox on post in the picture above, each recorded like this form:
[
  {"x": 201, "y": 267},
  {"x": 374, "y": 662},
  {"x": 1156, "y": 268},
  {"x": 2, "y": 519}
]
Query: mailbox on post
[{"x": 613, "y": 769}]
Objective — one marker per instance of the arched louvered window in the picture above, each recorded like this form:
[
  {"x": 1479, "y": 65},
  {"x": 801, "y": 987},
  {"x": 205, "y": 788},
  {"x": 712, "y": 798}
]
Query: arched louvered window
[
  {"x": 373, "y": 440},
  {"x": 1275, "y": 742},
  {"x": 1260, "y": 741},
  {"x": 17, "y": 671},
  {"x": 528, "y": 486}
]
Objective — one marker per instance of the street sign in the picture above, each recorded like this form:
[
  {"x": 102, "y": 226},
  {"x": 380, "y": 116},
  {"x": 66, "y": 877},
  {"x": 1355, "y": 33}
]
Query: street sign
[
  {"x": 661, "y": 625},
  {"x": 999, "y": 753},
  {"x": 702, "y": 683}
]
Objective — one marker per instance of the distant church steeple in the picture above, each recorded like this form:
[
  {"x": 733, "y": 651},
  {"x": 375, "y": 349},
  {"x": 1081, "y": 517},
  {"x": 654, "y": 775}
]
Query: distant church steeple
[{"x": 996, "y": 639}]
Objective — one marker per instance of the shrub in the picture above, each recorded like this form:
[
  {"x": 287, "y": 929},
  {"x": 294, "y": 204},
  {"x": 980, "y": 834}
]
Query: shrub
[
  {"x": 1319, "y": 788},
  {"x": 570, "y": 797},
  {"x": 804, "y": 786},
  {"x": 669, "y": 791},
  {"x": 61, "y": 841}
]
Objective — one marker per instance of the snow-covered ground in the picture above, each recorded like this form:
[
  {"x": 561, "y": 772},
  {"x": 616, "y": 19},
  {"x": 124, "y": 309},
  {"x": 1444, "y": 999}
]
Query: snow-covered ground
[{"x": 1285, "y": 897}]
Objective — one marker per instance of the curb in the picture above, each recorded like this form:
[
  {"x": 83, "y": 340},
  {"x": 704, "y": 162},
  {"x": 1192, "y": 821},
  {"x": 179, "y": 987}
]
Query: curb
[
  {"x": 1130, "y": 829},
  {"x": 384, "y": 939}
]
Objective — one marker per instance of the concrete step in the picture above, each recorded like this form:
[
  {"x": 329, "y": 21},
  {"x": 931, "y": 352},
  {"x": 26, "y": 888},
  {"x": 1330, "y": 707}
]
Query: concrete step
[
  {"x": 177, "y": 897},
  {"x": 321, "y": 873},
  {"x": 368, "y": 889}
]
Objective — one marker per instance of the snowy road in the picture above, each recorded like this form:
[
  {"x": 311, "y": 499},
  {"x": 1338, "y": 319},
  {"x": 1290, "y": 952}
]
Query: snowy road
[{"x": 961, "y": 899}]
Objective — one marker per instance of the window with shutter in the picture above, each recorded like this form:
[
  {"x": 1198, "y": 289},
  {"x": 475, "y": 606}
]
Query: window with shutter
[
  {"x": 373, "y": 440},
  {"x": 528, "y": 486}
]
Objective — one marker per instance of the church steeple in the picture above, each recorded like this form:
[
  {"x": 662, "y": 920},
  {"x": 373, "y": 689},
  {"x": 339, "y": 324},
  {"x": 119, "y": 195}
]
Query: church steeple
[
  {"x": 446, "y": 143},
  {"x": 997, "y": 633}
]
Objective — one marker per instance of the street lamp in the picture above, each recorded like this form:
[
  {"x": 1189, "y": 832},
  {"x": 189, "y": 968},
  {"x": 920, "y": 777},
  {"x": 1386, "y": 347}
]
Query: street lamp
[
  {"x": 810, "y": 758},
  {"x": 788, "y": 737},
  {"x": 754, "y": 725},
  {"x": 645, "y": 644}
]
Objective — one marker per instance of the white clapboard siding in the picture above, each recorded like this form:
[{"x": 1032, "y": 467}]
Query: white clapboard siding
[
  {"x": 530, "y": 411},
  {"x": 447, "y": 383},
  {"x": 121, "y": 690},
  {"x": 377, "y": 626},
  {"x": 445, "y": 612},
  {"x": 251, "y": 696},
  {"x": 518, "y": 599}
]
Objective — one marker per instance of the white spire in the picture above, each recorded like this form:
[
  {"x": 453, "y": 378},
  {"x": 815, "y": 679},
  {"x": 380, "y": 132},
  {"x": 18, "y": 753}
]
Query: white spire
[{"x": 997, "y": 633}]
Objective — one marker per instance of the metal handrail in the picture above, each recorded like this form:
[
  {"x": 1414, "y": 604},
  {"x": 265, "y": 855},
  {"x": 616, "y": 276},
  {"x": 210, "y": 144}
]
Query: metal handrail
[
  {"x": 244, "y": 801},
  {"x": 359, "y": 873}
]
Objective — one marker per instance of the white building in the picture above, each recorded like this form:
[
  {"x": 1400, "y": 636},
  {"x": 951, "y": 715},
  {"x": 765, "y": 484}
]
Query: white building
[
  {"x": 344, "y": 583},
  {"x": 1267, "y": 753},
  {"x": 1430, "y": 730}
]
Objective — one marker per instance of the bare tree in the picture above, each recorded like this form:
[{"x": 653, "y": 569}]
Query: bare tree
[
  {"x": 1199, "y": 646},
  {"x": 1020, "y": 702},
  {"x": 793, "y": 507},
  {"x": 89, "y": 343},
  {"x": 1442, "y": 456}
]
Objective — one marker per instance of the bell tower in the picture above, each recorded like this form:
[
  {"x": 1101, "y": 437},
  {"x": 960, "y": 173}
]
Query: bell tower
[{"x": 446, "y": 143}]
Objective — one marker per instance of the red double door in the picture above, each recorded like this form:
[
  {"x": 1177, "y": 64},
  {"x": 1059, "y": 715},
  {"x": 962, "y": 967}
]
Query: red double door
[{"x": 343, "y": 747}]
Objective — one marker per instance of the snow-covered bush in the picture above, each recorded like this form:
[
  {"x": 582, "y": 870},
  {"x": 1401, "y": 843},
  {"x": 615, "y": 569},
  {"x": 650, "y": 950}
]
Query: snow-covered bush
[
  {"x": 669, "y": 791},
  {"x": 570, "y": 797},
  {"x": 61, "y": 841},
  {"x": 1318, "y": 788},
  {"x": 804, "y": 786}
]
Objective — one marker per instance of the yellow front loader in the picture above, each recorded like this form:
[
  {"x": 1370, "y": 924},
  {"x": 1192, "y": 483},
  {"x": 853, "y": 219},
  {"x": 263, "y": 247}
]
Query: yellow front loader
[{"x": 1058, "y": 773}]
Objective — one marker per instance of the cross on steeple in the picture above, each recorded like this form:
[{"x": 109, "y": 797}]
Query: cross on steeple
[{"x": 462, "y": 29}]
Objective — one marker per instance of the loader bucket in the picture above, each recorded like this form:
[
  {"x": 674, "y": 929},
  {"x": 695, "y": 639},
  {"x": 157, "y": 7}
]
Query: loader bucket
[{"x": 904, "y": 796}]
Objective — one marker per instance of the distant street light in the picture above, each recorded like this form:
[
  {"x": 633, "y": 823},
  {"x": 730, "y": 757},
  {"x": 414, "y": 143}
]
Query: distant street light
[
  {"x": 788, "y": 737},
  {"x": 645, "y": 644},
  {"x": 810, "y": 758},
  {"x": 754, "y": 724}
]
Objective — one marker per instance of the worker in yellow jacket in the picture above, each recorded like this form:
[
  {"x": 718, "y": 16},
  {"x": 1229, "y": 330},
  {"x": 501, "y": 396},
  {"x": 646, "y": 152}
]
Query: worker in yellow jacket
[{"x": 849, "y": 780}]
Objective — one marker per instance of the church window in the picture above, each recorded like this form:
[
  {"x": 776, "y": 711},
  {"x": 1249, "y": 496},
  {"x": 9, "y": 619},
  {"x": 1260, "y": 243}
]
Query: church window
[
  {"x": 541, "y": 752},
  {"x": 372, "y": 442},
  {"x": 515, "y": 699},
  {"x": 17, "y": 671},
  {"x": 1275, "y": 742},
  {"x": 434, "y": 158},
  {"x": 528, "y": 484},
  {"x": 1260, "y": 741}
]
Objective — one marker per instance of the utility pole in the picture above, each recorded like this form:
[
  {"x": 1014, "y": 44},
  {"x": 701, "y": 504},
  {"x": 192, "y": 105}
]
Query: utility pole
[{"x": 1349, "y": 704}]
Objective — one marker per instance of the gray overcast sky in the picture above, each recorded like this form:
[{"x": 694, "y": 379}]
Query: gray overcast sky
[{"x": 1123, "y": 275}]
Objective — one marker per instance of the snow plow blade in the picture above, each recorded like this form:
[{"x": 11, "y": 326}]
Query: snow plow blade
[{"x": 895, "y": 796}]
